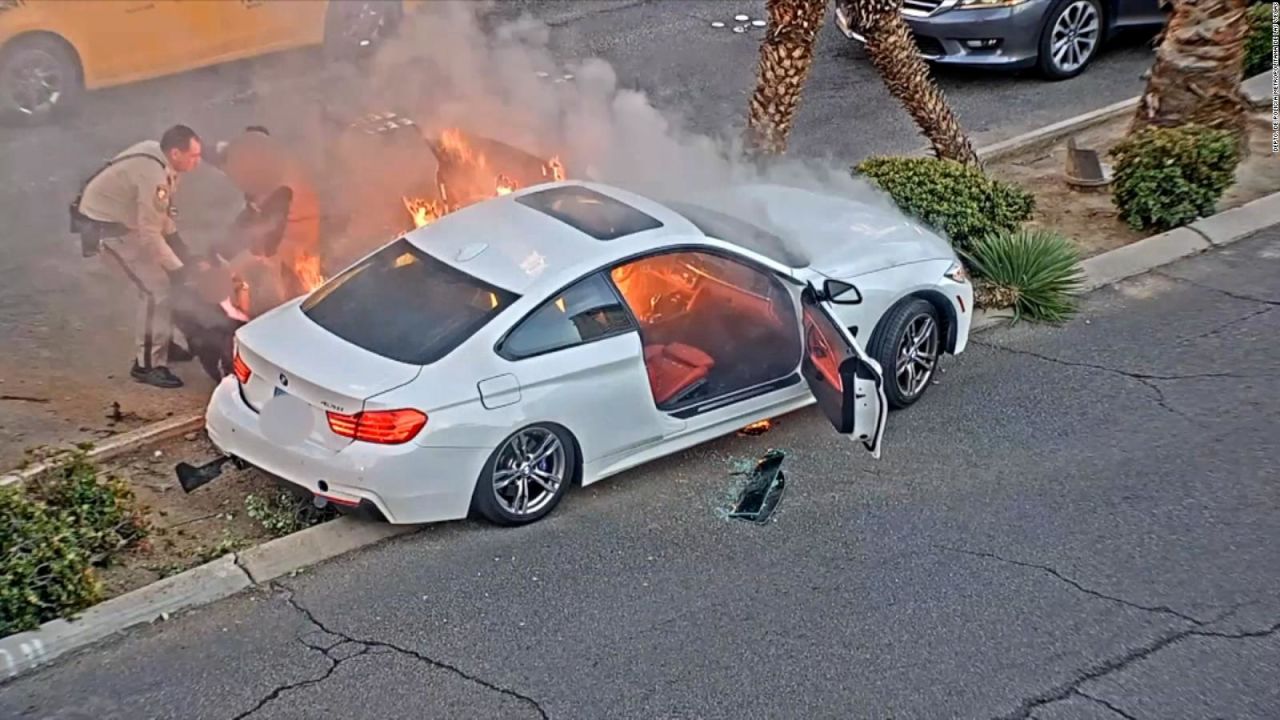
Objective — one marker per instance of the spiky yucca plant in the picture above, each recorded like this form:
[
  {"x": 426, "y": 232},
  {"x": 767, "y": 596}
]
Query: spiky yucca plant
[{"x": 1039, "y": 269}]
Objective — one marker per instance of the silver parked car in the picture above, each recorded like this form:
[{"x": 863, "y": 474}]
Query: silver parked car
[{"x": 1057, "y": 37}]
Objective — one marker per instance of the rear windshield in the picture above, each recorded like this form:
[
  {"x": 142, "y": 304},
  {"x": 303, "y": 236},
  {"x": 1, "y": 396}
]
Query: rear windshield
[{"x": 403, "y": 304}]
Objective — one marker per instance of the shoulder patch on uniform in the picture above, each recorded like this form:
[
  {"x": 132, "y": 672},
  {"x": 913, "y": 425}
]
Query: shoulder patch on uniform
[{"x": 162, "y": 196}]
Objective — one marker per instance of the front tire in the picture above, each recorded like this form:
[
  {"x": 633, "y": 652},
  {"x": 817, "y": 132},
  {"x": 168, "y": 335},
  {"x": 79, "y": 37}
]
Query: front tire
[
  {"x": 907, "y": 344},
  {"x": 39, "y": 80},
  {"x": 1071, "y": 38},
  {"x": 526, "y": 476}
]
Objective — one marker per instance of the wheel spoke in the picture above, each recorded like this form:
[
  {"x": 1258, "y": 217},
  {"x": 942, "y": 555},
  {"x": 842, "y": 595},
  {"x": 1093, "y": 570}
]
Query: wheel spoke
[
  {"x": 522, "y": 495},
  {"x": 545, "y": 450},
  {"x": 548, "y": 481}
]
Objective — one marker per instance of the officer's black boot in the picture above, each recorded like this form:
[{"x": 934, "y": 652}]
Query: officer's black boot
[{"x": 158, "y": 376}]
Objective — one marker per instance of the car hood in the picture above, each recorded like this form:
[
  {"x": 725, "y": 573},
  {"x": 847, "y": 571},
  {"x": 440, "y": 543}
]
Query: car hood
[{"x": 839, "y": 236}]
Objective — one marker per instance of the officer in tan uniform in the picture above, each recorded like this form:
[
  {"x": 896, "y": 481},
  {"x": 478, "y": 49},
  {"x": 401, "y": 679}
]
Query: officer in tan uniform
[{"x": 125, "y": 212}]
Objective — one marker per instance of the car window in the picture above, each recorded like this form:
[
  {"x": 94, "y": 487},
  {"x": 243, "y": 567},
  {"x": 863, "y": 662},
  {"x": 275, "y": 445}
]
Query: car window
[
  {"x": 403, "y": 304},
  {"x": 741, "y": 233},
  {"x": 586, "y": 311}
]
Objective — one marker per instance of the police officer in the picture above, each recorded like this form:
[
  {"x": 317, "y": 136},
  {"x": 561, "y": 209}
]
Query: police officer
[{"x": 125, "y": 209}]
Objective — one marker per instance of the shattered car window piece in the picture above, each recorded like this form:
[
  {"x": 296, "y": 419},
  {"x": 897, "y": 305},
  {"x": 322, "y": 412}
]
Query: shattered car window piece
[{"x": 763, "y": 491}]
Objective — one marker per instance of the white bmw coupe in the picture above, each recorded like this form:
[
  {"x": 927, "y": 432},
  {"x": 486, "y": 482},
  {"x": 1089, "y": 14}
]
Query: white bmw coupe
[{"x": 569, "y": 331}]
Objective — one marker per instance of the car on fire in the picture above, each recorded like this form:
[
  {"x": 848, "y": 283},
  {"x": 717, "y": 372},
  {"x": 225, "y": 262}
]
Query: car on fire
[{"x": 571, "y": 330}]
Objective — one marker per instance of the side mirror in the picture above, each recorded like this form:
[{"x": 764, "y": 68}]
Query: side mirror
[{"x": 841, "y": 293}]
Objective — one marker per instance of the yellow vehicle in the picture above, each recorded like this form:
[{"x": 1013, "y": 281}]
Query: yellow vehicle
[{"x": 53, "y": 50}]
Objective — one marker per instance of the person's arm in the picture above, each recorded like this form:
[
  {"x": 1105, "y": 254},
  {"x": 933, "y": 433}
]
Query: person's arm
[{"x": 154, "y": 220}]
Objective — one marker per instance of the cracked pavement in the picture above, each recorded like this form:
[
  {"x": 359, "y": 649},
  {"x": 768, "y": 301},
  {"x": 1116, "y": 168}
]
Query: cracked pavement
[{"x": 1042, "y": 539}]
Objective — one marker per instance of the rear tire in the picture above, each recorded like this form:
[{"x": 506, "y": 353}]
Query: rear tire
[
  {"x": 39, "y": 80},
  {"x": 907, "y": 344},
  {"x": 532, "y": 457}
]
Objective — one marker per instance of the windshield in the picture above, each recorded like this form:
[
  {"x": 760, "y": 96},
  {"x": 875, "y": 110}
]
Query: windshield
[{"x": 403, "y": 304}]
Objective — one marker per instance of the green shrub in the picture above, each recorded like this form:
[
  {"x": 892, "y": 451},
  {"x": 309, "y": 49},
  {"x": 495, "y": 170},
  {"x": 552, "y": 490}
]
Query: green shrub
[
  {"x": 284, "y": 512},
  {"x": 1037, "y": 271},
  {"x": 1167, "y": 177},
  {"x": 955, "y": 199},
  {"x": 54, "y": 532},
  {"x": 1257, "y": 47}
]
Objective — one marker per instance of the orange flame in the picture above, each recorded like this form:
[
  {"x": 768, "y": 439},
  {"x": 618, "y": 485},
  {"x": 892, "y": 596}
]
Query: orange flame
[
  {"x": 460, "y": 151},
  {"x": 307, "y": 268},
  {"x": 423, "y": 211},
  {"x": 758, "y": 427}
]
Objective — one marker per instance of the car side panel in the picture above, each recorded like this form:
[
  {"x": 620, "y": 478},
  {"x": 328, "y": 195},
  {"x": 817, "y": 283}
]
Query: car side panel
[
  {"x": 599, "y": 391},
  {"x": 882, "y": 289}
]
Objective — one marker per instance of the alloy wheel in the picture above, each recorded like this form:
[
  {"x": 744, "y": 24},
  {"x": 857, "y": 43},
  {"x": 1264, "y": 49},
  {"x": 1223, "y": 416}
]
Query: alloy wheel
[
  {"x": 530, "y": 469},
  {"x": 1075, "y": 35},
  {"x": 917, "y": 355}
]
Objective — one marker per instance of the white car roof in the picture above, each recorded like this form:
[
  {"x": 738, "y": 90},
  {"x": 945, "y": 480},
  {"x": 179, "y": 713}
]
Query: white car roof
[{"x": 514, "y": 240}]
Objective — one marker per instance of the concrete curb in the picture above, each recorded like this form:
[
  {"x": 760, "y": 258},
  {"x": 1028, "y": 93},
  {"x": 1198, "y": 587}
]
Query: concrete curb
[
  {"x": 290, "y": 553},
  {"x": 202, "y": 585},
  {"x": 118, "y": 445},
  {"x": 1257, "y": 91},
  {"x": 198, "y": 586}
]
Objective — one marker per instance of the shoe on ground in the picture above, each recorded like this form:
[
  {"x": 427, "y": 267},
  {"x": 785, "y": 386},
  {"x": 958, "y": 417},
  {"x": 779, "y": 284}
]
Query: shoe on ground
[
  {"x": 177, "y": 353},
  {"x": 157, "y": 376}
]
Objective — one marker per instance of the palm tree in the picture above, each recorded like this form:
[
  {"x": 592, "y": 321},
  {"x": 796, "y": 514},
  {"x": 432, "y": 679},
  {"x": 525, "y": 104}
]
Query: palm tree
[
  {"x": 893, "y": 52},
  {"x": 1198, "y": 69},
  {"x": 786, "y": 55}
]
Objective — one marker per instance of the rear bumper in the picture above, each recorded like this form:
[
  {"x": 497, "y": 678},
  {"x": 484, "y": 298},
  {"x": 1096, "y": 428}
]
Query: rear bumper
[
  {"x": 942, "y": 38},
  {"x": 405, "y": 484}
]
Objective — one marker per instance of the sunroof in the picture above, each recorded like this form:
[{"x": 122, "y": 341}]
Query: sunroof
[{"x": 599, "y": 216}]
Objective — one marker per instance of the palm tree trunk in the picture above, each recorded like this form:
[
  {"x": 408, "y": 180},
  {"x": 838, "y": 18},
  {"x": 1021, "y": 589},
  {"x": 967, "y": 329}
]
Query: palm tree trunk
[
  {"x": 786, "y": 55},
  {"x": 894, "y": 54},
  {"x": 1198, "y": 69}
]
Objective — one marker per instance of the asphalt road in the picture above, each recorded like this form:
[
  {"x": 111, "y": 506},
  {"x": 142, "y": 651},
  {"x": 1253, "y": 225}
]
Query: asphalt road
[
  {"x": 1075, "y": 523},
  {"x": 66, "y": 328}
]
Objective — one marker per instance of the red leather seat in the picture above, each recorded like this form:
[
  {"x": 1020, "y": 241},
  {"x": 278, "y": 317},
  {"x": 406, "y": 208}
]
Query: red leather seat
[{"x": 674, "y": 369}]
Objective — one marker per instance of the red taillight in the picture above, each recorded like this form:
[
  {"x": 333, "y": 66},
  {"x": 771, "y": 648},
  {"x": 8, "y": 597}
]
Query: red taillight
[
  {"x": 240, "y": 369},
  {"x": 386, "y": 427}
]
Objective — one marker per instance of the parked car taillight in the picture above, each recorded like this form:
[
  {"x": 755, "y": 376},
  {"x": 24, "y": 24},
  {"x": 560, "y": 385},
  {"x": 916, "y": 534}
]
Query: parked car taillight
[
  {"x": 385, "y": 427},
  {"x": 239, "y": 367}
]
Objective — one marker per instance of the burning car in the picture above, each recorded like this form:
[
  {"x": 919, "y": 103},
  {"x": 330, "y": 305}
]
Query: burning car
[{"x": 565, "y": 332}]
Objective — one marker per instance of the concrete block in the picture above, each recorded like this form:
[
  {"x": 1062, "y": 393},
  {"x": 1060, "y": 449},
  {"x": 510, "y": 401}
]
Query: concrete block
[
  {"x": 1238, "y": 223},
  {"x": 1257, "y": 89},
  {"x": 292, "y": 552},
  {"x": 1140, "y": 257},
  {"x": 198, "y": 586}
]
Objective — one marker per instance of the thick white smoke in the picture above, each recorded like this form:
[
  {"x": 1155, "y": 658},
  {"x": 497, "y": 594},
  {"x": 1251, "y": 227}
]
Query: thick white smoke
[{"x": 456, "y": 64}]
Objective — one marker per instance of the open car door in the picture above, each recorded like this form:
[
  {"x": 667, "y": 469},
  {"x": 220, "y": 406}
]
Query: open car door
[{"x": 847, "y": 384}]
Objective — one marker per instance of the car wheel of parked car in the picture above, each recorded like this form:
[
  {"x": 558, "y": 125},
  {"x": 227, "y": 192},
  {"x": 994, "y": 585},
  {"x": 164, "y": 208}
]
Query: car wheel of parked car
[
  {"x": 907, "y": 344},
  {"x": 39, "y": 78},
  {"x": 526, "y": 476},
  {"x": 355, "y": 28},
  {"x": 1070, "y": 39}
]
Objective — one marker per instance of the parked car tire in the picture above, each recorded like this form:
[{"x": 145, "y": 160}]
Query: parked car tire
[
  {"x": 39, "y": 79},
  {"x": 530, "y": 458},
  {"x": 353, "y": 29},
  {"x": 907, "y": 344},
  {"x": 1080, "y": 24}
]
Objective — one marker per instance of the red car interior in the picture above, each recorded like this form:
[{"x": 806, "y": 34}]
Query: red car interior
[{"x": 674, "y": 369}]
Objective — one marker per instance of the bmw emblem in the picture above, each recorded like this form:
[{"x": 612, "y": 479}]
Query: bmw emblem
[{"x": 284, "y": 381}]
